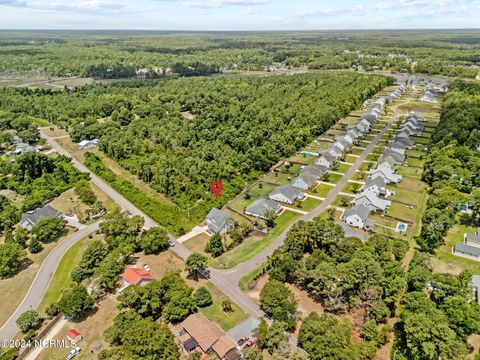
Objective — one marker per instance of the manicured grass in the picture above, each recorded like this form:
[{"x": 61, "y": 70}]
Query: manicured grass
[
  {"x": 293, "y": 169},
  {"x": 278, "y": 178},
  {"x": 407, "y": 196},
  {"x": 352, "y": 188},
  {"x": 409, "y": 171},
  {"x": 197, "y": 243},
  {"x": 342, "y": 201},
  {"x": 215, "y": 312},
  {"x": 360, "y": 176},
  {"x": 309, "y": 204},
  {"x": 254, "y": 245},
  {"x": 373, "y": 157},
  {"x": 342, "y": 168},
  {"x": 415, "y": 162},
  {"x": 247, "y": 279},
  {"x": 322, "y": 190},
  {"x": 332, "y": 178},
  {"x": 415, "y": 153},
  {"x": 61, "y": 278},
  {"x": 420, "y": 140},
  {"x": 401, "y": 211},
  {"x": 366, "y": 166},
  {"x": 262, "y": 189},
  {"x": 240, "y": 203},
  {"x": 350, "y": 159},
  {"x": 356, "y": 151},
  {"x": 304, "y": 159},
  {"x": 363, "y": 144},
  {"x": 379, "y": 219}
]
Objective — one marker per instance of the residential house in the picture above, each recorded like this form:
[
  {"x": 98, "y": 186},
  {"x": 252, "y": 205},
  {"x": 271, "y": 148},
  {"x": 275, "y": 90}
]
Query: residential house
[
  {"x": 409, "y": 144},
  {"x": 335, "y": 151},
  {"x": 286, "y": 194},
  {"x": 365, "y": 123},
  {"x": 198, "y": 334},
  {"x": 260, "y": 207},
  {"x": 376, "y": 186},
  {"x": 398, "y": 147},
  {"x": 412, "y": 130},
  {"x": 88, "y": 144},
  {"x": 428, "y": 96},
  {"x": 357, "y": 216},
  {"x": 136, "y": 276},
  {"x": 389, "y": 176},
  {"x": 349, "y": 138},
  {"x": 341, "y": 144},
  {"x": 403, "y": 134},
  {"x": 386, "y": 162},
  {"x": 472, "y": 239},
  {"x": 315, "y": 170},
  {"x": 326, "y": 160},
  {"x": 23, "y": 148},
  {"x": 369, "y": 118},
  {"x": 398, "y": 157},
  {"x": 74, "y": 336},
  {"x": 304, "y": 181},
  {"x": 362, "y": 129},
  {"x": 348, "y": 231},
  {"x": 219, "y": 222},
  {"x": 354, "y": 133},
  {"x": 471, "y": 252},
  {"x": 32, "y": 217},
  {"x": 372, "y": 202}
]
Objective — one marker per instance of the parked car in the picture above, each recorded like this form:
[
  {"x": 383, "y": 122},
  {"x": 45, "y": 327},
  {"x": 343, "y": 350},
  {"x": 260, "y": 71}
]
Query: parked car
[
  {"x": 251, "y": 342},
  {"x": 146, "y": 267},
  {"x": 74, "y": 352},
  {"x": 242, "y": 341}
]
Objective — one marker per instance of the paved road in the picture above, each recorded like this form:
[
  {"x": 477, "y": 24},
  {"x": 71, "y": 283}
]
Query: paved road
[{"x": 40, "y": 284}]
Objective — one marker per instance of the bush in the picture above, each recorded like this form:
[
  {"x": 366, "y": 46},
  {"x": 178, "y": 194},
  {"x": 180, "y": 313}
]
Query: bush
[
  {"x": 203, "y": 297},
  {"x": 28, "y": 320},
  {"x": 75, "y": 302},
  {"x": 215, "y": 246},
  {"x": 48, "y": 229},
  {"x": 12, "y": 257},
  {"x": 85, "y": 193}
]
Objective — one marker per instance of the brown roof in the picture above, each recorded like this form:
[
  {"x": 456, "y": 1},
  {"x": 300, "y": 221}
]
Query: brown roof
[
  {"x": 223, "y": 345},
  {"x": 201, "y": 329}
]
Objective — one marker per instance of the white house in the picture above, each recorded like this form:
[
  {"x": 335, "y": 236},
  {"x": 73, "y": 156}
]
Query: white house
[
  {"x": 286, "y": 194},
  {"x": 260, "y": 207},
  {"x": 88, "y": 144},
  {"x": 218, "y": 222},
  {"x": 304, "y": 181},
  {"x": 358, "y": 217},
  {"x": 389, "y": 176},
  {"x": 372, "y": 202},
  {"x": 376, "y": 186}
]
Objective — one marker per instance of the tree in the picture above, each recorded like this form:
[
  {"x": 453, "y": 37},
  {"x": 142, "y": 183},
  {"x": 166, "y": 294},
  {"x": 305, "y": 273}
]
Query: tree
[
  {"x": 261, "y": 333},
  {"x": 91, "y": 259},
  {"x": 179, "y": 306},
  {"x": 214, "y": 246},
  {"x": 279, "y": 302},
  {"x": 252, "y": 353},
  {"x": 154, "y": 240},
  {"x": 28, "y": 320},
  {"x": 106, "y": 275},
  {"x": 270, "y": 217},
  {"x": 35, "y": 246},
  {"x": 276, "y": 336},
  {"x": 120, "y": 229},
  {"x": 22, "y": 236},
  {"x": 75, "y": 302},
  {"x": 195, "y": 264},
  {"x": 85, "y": 192},
  {"x": 12, "y": 257},
  {"x": 227, "y": 306},
  {"x": 474, "y": 203},
  {"x": 48, "y": 229},
  {"x": 203, "y": 297}
]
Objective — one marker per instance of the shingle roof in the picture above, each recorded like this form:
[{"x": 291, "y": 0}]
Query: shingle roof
[
  {"x": 467, "y": 249},
  {"x": 135, "y": 276},
  {"x": 360, "y": 210},
  {"x": 204, "y": 331},
  {"x": 306, "y": 178},
  {"x": 34, "y": 216},
  {"x": 379, "y": 181},
  {"x": 217, "y": 219},
  {"x": 315, "y": 170},
  {"x": 261, "y": 205},
  {"x": 289, "y": 191}
]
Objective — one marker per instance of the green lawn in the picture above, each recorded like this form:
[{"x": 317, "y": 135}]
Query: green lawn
[
  {"x": 401, "y": 211},
  {"x": 356, "y": 151},
  {"x": 309, "y": 204},
  {"x": 379, "y": 219},
  {"x": 247, "y": 279},
  {"x": 409, "y": 171},
  {"x": 416, "y": 153},
  {"x": 350, "y": 159},
  {"x": 363, "y": 144},
  {"x": 332, "y": 178},
  {"x": 366, "y": 165},
  {"x": 373, "y": 157},
  {"x": 278, "y": 178},
  {"x": 254, "y": 245},
  {"x": 240, "y": 203},
  {"x": 360, "y": 176},
  {"x": 407, "y": 196},
  {"x": 420, "y": 140},
  {"x": 61, "y": 278},
  {"x": 415, "y": 162},
  {"x": 342, "y": 168},
  {"x": 342, "y": 201},
  {"x": 352, "y": 188},
  {"x": 322, "y": 190},
  {"x": 304, "y": 159},
  {"x": 262, "y": 189},
  {"x": 293, "y": 169},
  {"x": 215, "y": 312}
]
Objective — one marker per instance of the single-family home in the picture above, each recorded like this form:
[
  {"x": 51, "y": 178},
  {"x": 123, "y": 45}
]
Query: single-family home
[
  {"x": 361, "y": 128},
  {"x": 304, "y": 181},
  {"x": 386, "y": 162},
  {"x": 472, "y": 239},
  {"x": 398, "y": 147},
  {"x": 354, "y": 133},
  {"x": 471, "y": 252},
  {"x": 349, "y": 138},
  {"x": 372, "y": 202},
  {"x": 348, "y": 231},
  {"x": 260, "y": 207},
  {"x": 398, "y": 157},
  {"x": 88, "y": 144},
  {"x": 32, "y": 217},
  {"x": 341, "y": 144},
  {"x": 413, "y": 131},
  {"x": 369, "y": 118},
  {"x": 136, "y": 276},
  {"x": 365, "y": 123},
  {"x": 357, "y": 217},
  {"x": 409, "y": 144},
  {"x": 23, "y": 148},
  {"x": 286, "y": 194},
  {"x": 403, "y": 134},
  {"x": 389, "y": 176},
  {"x": 219, "y": 222},
  {"x": 198, "y": 334},
  {"x": 335, "y": 151},
  {"x": 326, "y": 160},
  {"x": 315, "y": 170},
  {"x": 376, "y": 186}
]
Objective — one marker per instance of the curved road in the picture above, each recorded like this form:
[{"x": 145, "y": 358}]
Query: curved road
[{"x": 41, "y": 281}]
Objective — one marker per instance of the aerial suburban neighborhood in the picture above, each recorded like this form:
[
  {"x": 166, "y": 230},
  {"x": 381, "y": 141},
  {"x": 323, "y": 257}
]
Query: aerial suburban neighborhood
[{"x": 310, "y": 193}]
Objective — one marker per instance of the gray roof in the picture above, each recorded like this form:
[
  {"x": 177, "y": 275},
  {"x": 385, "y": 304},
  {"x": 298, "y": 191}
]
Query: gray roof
[
  {"x": 289, "y": 191},
  {"x": 403, "y": 134},
  {"x": 330, "y": 158},
  {"x": 395, "y": 155},
  {"x": 379, "y": 181},
  {"x": 315, "y": 170},
  {"x": 34, "y": 216},
  {"x": 476, "y": 281},
  {"x": 349, "y": 232},
  {"x": 261, "y": 205},
  {"x": 398, "y": 145},
  {"x": 308, "y": 179},
  {"x": 360, "y": 210},
  {"x": 404, "y": 141},
  {"x": 472, "y": 238},
  {"x": 467, "y": 250},
  {"x": 217, "y": 220},
  {"x": 388, "y": 159}
]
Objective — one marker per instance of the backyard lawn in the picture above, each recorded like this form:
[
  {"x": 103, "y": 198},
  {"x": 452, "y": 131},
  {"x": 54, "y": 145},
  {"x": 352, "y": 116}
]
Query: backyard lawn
[
  {"x": 409, "y": 171},
  {"x": 421, "y": 140},
  {"x": 240, "y": 203},
  {"x": 278, "y": 178},
  {"x": 402, "y": 212},
  {"x": 304, "y": 159},
  {"x": 309, "y": 204},
  {"x": 332, "y": 177},
  {"x": 342, "y": 168},
  {"x": 411, "y": 161},
  {"x": 406, "y": 196},
  {"x": 322, "y": 190},
  {"x": 254, "y": 245},
  {"x": 262, "y": 189}
]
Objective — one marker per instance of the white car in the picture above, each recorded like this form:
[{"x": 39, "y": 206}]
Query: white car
[{"x": 74, "y": 352}]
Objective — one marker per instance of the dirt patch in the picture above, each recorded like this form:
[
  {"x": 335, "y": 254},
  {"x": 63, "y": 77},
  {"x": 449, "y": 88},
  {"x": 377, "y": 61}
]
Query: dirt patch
[
  {"x": 254, "y": 293},
  {"x": 445, "y": 267},
  {"x": 188, "y": 115}
]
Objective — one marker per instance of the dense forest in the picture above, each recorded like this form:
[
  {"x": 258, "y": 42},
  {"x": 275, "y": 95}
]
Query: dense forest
[
  {"x": 121, "y": 54},
  {"x": 179, "y": 135},
  {"x": 452, "y": 166}
]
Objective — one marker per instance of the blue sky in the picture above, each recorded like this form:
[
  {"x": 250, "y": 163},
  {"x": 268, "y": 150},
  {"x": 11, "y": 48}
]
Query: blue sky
[{"x": 238, "y": 14}]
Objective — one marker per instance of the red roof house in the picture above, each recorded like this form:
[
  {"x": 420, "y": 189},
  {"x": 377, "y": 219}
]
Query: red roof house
[
  {"x": 74, "y": 336},
  {"x": 136, "y": 276}
]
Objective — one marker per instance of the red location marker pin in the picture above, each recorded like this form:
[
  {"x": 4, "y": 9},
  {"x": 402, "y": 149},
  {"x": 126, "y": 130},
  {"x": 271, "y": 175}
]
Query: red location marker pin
[{"x": 216, "y": 187}]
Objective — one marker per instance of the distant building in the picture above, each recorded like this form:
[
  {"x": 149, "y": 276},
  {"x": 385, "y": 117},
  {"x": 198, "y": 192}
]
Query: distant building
[
  {"x": 218, "y": 222},
  {"x": 260, "y": 207},
  {"x": 74, "y": 336},
  {"x": 23, "y": 148},
  {"x": 88, "y": 144},
  {"x": 32, "y": 217},
  {"x": 472, "y": 239}
]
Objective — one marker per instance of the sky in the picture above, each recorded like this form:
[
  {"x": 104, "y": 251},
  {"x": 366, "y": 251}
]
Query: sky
[{"x": 239, "y": 14}]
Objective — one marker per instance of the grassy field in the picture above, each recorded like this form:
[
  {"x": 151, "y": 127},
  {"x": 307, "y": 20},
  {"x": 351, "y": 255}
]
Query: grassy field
[
  {"x": 409, "y": 171},
  {"x": 304, "y": 159},
  {"x": 262, "y": 189},
  {"x": 309, "y": 204},
  {"x": 421, "y": 140},
  {"x": 350, "y": 159},
  {"x": 332, "y": 178},
  {"x": 343, "y": 168},
  {"x": 366, "y": 165},
  {"x": 254, "y": 245},
  {"x": 352, "y": 188},
  {"x": 240, "y": 203},
  {"x": 278, "y": 178},
  {"x": 401, "y": 211},
  {"x": 61, "y": 278},
  {"x": 406, "y": 196}
]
